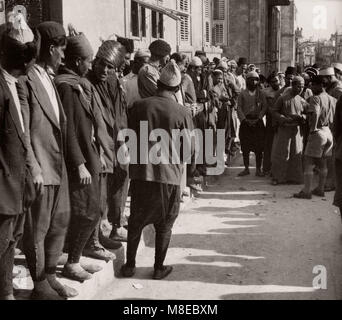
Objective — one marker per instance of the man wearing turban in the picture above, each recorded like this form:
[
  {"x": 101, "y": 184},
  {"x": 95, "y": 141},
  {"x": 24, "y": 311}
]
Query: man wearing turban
[{"x": 114, "y": 110}]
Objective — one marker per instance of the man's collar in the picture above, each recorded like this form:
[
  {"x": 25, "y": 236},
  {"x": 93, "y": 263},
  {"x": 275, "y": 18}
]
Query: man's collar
[
  {"x": 8, "y": 77},
  {"x": 166, "y": 94}
]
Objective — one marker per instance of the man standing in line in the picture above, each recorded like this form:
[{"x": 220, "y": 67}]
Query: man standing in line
[
  {"x": 252, "y": 107},
  {"x": 47, "y": 224},
  {"x": 150, "y": 72},
  {"x": 16, "y": 186},
  {"x": 241, "y": 73},
  {"x": 110, "y": 57},
  {"x": 83, "y": 152},
  {"x": 321, "y": 112},
  {"x": 156, "y": 188},
  {"x": 271, "y": 93},
  {"x": 287, "y": 153},
  {"x": 130, "y": 81}
]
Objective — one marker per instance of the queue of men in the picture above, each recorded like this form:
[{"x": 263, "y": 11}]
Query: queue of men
[{"x": 62, "y": 111}]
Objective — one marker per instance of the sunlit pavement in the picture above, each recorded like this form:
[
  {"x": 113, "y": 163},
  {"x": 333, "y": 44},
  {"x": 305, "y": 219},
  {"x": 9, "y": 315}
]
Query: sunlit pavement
[{"x": 245, "y": 239}]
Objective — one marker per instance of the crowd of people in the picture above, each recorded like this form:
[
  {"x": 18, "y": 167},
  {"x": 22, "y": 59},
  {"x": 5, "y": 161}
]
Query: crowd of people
[{"x": 62, "y": 109}]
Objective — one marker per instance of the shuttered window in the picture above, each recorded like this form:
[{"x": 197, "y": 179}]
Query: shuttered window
[{"x": 184, "y": 6}]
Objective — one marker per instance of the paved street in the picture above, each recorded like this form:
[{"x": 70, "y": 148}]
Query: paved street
[{"x": 245, "y": 239}]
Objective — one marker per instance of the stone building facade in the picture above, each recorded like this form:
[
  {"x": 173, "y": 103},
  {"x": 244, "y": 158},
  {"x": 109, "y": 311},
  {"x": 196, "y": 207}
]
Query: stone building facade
[
  {"x": 260, "y": 30},
  {"x": 185, "y": 24}
]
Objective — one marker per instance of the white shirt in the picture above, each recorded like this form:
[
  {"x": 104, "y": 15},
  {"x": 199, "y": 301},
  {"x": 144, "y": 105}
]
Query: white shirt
[
  {"x": 49, "y": 88},
  {"x": 242, "y": 82},
  {"x": 131, "y": 89},
  {"x": 11, "y": 82}
]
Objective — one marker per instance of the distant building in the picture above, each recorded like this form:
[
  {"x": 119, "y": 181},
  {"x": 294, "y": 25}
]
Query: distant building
[
  {"x": 185, "y": 24},
  {"x": 260, "y": 30}
]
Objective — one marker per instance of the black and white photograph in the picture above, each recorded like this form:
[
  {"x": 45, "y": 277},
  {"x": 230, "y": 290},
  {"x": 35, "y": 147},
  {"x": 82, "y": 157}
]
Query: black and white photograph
[{"x": 170, "y": 150}]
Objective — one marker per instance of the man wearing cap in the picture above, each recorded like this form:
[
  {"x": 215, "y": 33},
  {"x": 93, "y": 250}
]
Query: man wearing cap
[
  {"x": 16, "y": 186},
  {"x": 46, "y": 225},
  {"x": 130, "y": 82},
  {"x": 252, "y": 107},
  {"x": 334, "y": 86},
  {"x": 150, "y": 73},
  {"x": 288, "y": 113},
  {"x": 156, "y": 187},
  {"x": 83, "y": 151},
  {"x": 338, "y": 70},
  {"x": 320, "y": 112},
  {"x": 114, "y": 111}
]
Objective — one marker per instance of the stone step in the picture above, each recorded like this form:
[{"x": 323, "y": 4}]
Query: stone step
[{"x": 110, "y": 273}]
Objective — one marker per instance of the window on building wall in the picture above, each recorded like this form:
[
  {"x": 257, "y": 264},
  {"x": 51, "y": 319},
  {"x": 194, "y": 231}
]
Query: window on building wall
[
  {"x": 157, "y": 25},
  {"x": 184, "y": 6},
  {"x": 207, "y": 32},
  {"x": 138, "y": 20},
  {"x": 135, "y": 19},
  {"x": 207, "y": 8},
  {"x": 218, "y": 33},
  {"x": 219, "y": 9},
  {"x": 143, "y": 22}
]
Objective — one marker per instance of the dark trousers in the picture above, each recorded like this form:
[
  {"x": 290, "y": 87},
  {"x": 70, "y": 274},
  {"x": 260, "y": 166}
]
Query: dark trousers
[
  {"x": 11, "y": 230},
  {"x": 45, "y": 231},
  {"x": 270, "y": 133},
  {"x": 85, "y": 215},
  {"x": 157, "y": 204},
  {"x": 117, "y": 193}
]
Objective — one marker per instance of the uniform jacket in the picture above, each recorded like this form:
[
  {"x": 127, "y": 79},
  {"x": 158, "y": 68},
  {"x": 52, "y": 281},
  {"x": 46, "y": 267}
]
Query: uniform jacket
[{"x": 13, "y": 154}]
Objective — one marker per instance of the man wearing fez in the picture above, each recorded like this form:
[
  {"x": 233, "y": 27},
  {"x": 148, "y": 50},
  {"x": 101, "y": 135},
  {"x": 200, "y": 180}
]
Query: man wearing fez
[
  {"x": 83, "y": 151},
  {"x": 113, "y": 107},
  {"x": 150, "y": 73},
  {"x": 252, "y": 107},
  {"x": 16, "y": 186},
  {"x": 156, "y": 187},
  {"x": 47, "y": 224}
]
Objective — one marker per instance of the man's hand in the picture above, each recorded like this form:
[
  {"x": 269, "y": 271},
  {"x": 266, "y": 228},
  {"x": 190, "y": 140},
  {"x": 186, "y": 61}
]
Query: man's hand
[
  {"x": 103, "y": 164},
  {"x": 39, "y": 184},
  {"x": 85, "y": 176}
]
